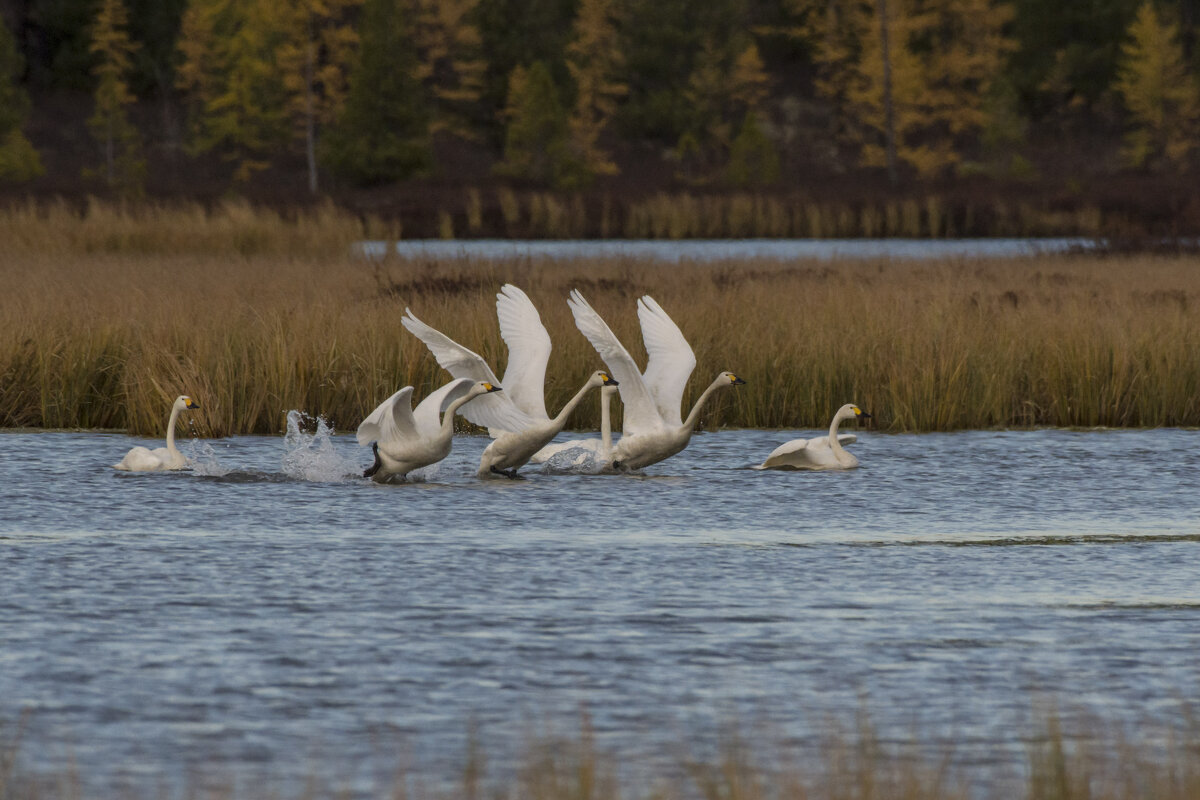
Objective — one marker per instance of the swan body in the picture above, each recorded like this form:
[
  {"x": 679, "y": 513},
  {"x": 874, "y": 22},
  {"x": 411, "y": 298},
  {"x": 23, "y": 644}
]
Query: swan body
[
  {"x": 599, "y": 449},
  {"x": 824, "y": 452},
  {"x": 405, "y": 439},
  {"x": 143, "y": 459},
  {"x": 512, "y": 450},
  {"x": 653, "y": 429}
]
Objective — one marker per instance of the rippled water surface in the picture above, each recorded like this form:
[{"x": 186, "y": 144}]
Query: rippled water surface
[{"x": 271, "y": 612}]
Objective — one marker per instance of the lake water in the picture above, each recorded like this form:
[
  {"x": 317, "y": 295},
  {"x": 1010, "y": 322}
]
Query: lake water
[
  {"x": 673, "y": 251},
  {"x": 272, "y": 614}
]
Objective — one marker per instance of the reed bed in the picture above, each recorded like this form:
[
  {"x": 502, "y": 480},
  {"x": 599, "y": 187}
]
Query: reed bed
[
  {"x": 1102, "y": 762},
  {"x": 93, "y": 337}
]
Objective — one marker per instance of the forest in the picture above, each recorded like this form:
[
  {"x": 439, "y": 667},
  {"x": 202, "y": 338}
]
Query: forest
[{"x": 618, "y": 117}]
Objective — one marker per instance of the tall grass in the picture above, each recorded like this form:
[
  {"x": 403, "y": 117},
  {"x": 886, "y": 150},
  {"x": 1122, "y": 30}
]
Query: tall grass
[{"x": 97, "y": 331}]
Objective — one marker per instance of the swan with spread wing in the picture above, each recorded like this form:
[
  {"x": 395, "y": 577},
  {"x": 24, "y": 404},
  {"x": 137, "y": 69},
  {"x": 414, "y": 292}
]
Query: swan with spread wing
[
  {"x": 517, "y": 420},
  {"x": 404, "y": 439},
  {"x": 653, "y": 429},
  {"x": 823, "y": 452}
]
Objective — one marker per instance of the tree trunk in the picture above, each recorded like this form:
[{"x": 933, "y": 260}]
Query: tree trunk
[{"x": 889, "y": 113}]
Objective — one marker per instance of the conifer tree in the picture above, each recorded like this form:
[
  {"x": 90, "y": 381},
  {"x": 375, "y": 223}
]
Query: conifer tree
[
  {"x": 231, "y": 73},
  {"x": 315, "y": 60},
  {"x": 594, "y": 60},
  {"x": 1159, "y": 93},
  {"x": 753, "y": 160},
  {"x": 535, "y": 146},
  {"x": 450, "y": 66},
  {"x": 382, "y": 133},
  {"x": 109, "y": 124},
  {"x": 19, "y": 161}
]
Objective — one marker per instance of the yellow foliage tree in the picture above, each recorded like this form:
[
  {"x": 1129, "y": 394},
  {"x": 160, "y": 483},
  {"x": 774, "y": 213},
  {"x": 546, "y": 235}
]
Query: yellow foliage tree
[
  {"x": 594, "y": 60},
  {"x": 1160, "y": 94},
  {"x": 450, "y": 67},
  {"x": 109, "y": 123}
]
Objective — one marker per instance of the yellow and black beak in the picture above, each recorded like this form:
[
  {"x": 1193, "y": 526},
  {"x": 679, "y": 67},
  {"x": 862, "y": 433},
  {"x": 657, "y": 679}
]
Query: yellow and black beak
[
  {"x": 609, "y": 380},
  {"x": 735, "y": 380},
  {"x": 860, "y": 414},
  {"x": 491, "y": 387},
  {"x": 192, "y": 403}
]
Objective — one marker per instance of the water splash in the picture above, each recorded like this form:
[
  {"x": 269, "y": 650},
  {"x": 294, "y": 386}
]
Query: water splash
[
  {"x": 203, "y": 459},
  {"x": 577, "y": 461},
  {"x": 312, "y": 456}
]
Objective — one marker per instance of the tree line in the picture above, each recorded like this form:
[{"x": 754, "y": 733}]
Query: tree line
[{"x": 726, "y": 90}]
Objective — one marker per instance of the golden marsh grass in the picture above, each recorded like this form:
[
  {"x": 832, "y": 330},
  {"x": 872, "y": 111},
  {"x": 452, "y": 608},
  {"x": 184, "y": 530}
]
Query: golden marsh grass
[{"x": 106, "y": 318}]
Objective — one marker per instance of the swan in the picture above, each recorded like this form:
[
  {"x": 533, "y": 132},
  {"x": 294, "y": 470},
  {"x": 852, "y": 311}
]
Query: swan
[
  {"x": 517, "y": 421},
  {"x": 403, "y": 439},
  {"x": 143, "y": 459},
  {"x": 653, "y": 429},
  {"x": 824, "y": 452},
  {"x": 512, "y": 450},
  {"x": 599, "y": 449}
]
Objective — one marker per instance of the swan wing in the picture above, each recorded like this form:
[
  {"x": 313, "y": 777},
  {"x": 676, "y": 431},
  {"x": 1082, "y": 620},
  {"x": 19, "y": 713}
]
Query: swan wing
[
  {"x": 845, "y": 439},
  {"x": 671, "y": 359},
  {"x": 495, "y": 411},
  {"x": 391, "y": 421},
  {"x": 796, "y": 453},
  {"x": 528, "y": 351},
  {"x": 641, "y": 413},
  {"x": 428, "y": 414}
]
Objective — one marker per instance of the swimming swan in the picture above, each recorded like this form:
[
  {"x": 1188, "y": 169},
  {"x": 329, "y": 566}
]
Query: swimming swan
[
  {"x": 404, "y": 439},
  {"x": 824, "y": 452},
  {"x": 512, "y": 450},
  {"x": 143, "y": 459},
  {"x": 599, "y": 449},
  {"x": 653, "y": 429}
]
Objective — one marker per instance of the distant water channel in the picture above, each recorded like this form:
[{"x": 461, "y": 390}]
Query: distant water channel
[
  {"x": 726, "y": 249},
  {"x": 274, "y": 614}
]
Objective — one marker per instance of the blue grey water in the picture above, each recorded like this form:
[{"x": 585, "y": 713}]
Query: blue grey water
[{"x": 271, "y": 613}]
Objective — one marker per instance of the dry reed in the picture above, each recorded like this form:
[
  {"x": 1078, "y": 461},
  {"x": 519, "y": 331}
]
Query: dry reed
[{"x": 105, "y": 320}]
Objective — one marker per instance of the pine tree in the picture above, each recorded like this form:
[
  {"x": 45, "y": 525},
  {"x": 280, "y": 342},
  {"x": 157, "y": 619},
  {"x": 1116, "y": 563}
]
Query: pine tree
[
  {"x": 595, "y": 61},
  {"x": 535, "y": 146},
  {"x": 19, "y": 161},
  {"x": 109, "y": 123},
  {"x": 382, "y": 133},
  {"x": 315, "y": 60},
  {"x": 450, "y": 66},
  {"x": 231, "y": 73},
  {"x": 1160, "y": 94},
  {"x": 753, "y": 160}
]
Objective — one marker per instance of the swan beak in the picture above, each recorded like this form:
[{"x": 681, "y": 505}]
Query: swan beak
[
  {"x": 192, "y": 403},
  {"x": 735, "y": 380},
  {"x": 610, "y": 381},
  {"x": 858, "y": 412},
  {"x": 492, "y": 388}
]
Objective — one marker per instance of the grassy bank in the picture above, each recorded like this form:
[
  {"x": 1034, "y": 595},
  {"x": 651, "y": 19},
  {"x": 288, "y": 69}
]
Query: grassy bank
[
  {"x": 105, "y": 320},
  {"x": 1099, "y": 764}
]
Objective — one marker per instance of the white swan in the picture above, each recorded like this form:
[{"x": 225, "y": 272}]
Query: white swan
[
  {"x": 143, "y": 459},
  {"x": 653, "y": 429},
  {"x": 404, "y": 439},
  {"x": 512, "y": 450},
  {"x": 599, "y": 450},
  {"x": 824, "y": 452}
]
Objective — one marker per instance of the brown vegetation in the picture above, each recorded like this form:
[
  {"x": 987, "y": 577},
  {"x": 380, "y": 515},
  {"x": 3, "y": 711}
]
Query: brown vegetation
[{"x": 108, "y": 317}]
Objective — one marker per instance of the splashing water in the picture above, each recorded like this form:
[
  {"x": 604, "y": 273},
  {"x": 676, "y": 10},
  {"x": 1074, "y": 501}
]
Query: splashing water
[
  {"x": 577, "y": 461},
  {"x": 312, "y": 456},
  {"x": 203, "y": 459}
]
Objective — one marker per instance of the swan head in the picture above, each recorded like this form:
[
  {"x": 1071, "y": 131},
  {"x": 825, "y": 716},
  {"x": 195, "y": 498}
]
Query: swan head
[
  {"x": 484, "y": 387},
  {"x": 852, "y": 411},
  {"x": 602, "y": 378},
  {"x": 732, "y": 379},
  {"x": 183, "y": 403}
]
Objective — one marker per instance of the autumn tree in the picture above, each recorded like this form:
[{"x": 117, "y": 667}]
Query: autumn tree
[
  {"x": 450, "y": 65},
  {"x": 230, "y": 72},
  {"x": 1159, "y": 93},
  {"x": 594, "y": 60},
  {"x": 109, "y": 124},
  {"x": 315, "y": 58},
  {"x": 382, "y": 133},
  {"x": 535, "y": 145},
  {"x": 19, "y": 161}
]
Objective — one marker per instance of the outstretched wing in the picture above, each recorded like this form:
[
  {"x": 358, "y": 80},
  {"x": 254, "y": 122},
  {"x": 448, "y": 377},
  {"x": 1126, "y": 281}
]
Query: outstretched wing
[
  {"x": 795, "y": 453},
  {"x": 492, "y": 411},
  {"x": 428, "y": 414},
  {"x": 671, "y": 359},
  {"x": 391, "y": 421},
  {"x": 641, "y": 414},
  {"x": 528, "y": 351}
]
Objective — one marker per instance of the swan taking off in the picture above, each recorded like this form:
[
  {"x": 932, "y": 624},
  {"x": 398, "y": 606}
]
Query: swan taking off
[
  {"x": 824, "y": 452},
  {"x": 143, "y": 459},
  {"x": 599, "y": 449},
  {"x": 517, "y": 420},
  {"x": 653, "y": 429},
  {"x": 404, "y": 439}
]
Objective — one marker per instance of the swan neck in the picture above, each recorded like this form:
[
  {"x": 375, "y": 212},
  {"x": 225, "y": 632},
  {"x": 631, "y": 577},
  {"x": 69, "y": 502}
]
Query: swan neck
[
  {"x": 447, "y": 429},
  {"x": 171, "y": 431},
  {"x": 560, "y": 421},
  {"x": 834, "y": 444},
  {"x": 605, "y": 421},
  {"x": 694, "y": 416}
]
